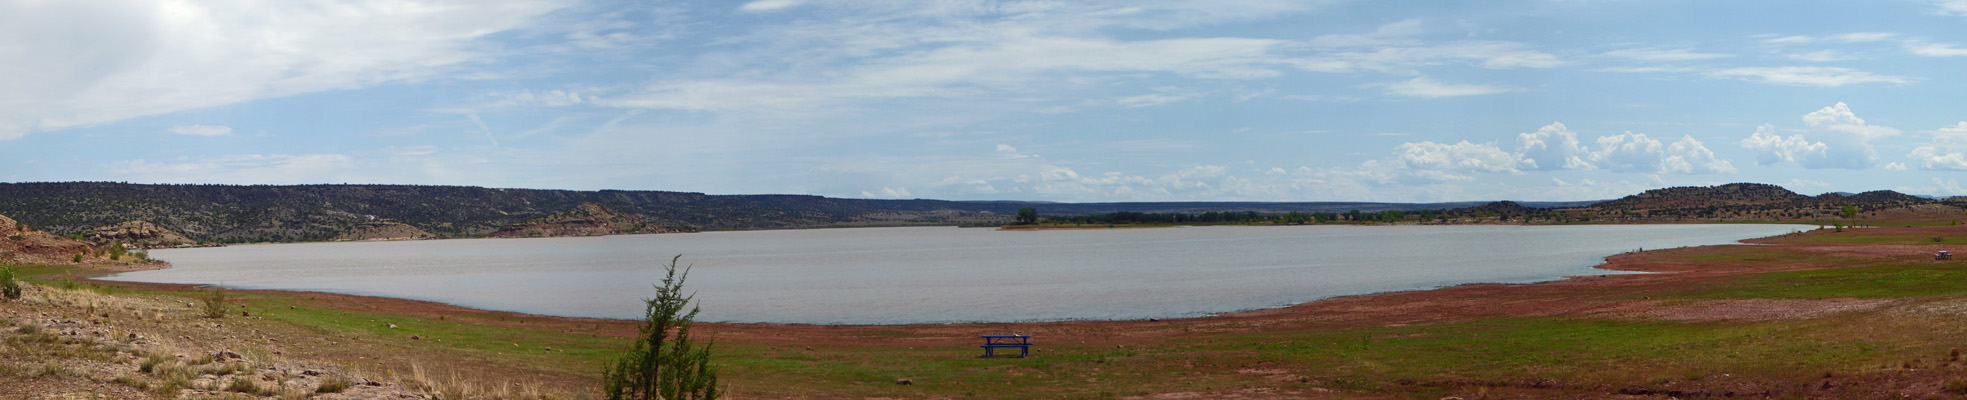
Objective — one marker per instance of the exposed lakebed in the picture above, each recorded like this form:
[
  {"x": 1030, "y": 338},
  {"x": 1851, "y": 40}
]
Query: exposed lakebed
[{"x": 936, "y": 274}]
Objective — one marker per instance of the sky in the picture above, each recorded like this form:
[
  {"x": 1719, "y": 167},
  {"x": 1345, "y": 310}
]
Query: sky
[{"x": 1086, "y": 100}]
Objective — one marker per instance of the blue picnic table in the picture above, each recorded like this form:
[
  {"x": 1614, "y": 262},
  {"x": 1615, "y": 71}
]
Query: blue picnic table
[{"x": 994, "y": 342}]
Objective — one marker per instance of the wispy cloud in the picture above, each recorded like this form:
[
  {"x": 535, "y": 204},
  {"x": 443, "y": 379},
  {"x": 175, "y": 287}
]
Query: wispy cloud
[
  {"x": 1664, "y": 55},
  {"x": 769, "y": 5},
  {"x": 1428, "y": 88},
  {"x": 147, "y": 58},
  {"x": 202, "y": 130},
  {"x": 1809, "y": 76}
]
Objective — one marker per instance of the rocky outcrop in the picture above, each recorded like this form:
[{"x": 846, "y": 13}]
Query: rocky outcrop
[
  {"x": 139, "y": 234},
  {"x": 20, "y": 243},
  {"x": 587, "y": 219},
  {"x": 385, "y": 230}
]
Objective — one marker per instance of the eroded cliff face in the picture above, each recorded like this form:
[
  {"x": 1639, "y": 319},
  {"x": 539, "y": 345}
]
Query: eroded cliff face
[
  {"x": 587, "y": 219},
  {"x": 20, "y": 243},
  {"x": 139, "y": 234},
  {"x": 385, "y": 230}
]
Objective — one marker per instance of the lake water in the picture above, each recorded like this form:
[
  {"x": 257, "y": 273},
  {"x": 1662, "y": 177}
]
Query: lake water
[{"x": 935, "y": 275}]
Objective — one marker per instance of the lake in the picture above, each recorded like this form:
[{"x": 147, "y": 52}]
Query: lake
[{"x": 938, "y": 274}]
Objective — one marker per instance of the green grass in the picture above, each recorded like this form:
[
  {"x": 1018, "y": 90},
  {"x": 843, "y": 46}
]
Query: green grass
[
  {"x": 1419, "y": 361},
  {"x": 1876, "y": 281},
  {"x": 1850, "y": 236}
]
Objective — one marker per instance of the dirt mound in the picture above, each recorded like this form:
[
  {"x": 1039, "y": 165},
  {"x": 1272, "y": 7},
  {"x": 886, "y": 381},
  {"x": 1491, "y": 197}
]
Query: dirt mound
[
  {"x": 138, "y": 233},
  {"x": 20, "y": 243}
]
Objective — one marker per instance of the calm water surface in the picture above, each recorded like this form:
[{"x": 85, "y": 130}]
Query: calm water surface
[{"x": 933, "y": 275}]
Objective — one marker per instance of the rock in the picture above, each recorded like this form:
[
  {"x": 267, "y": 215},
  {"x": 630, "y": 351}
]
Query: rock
[
  {"x": 587, "y": 219},
  {"x": 416, "y": 337},
  {"x": 392, "y": 326},
  {"x": 139, "y": 233},
  {"x": 385, "y": 230},
  {"x": 243, "y": 313},
  {"x": 904, "y": 381},
  {"x": 310, "y": 373}
]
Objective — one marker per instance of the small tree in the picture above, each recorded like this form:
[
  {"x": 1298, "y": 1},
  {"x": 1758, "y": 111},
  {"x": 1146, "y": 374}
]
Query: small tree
[
  {"x": 214, "y": 303},
  {"x": 659, "y": 365},
  {"x": 1850, "y": 212},
  {"x": 8, "y": 288},
  {"x": 1027, "y": 216}
]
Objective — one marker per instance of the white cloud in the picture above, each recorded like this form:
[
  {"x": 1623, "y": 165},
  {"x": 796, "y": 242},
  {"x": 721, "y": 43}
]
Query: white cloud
[
  {"x": 1864, "y": 37},
  {"x": 1553, "y": 147},
  {"x": 202, "y": 130},
  {"x": 1895, "y": 166},
  {"x": 1839, "y": 118},
  {"x": 1690, "y": 156},
  {"x": 1935, "y": 49},
  {"x": 1774, "y": 149},
  {"x": 1405, "y": 58},
  {"x": 1822, "y": 56},
  {"x": 1809, "y": 76},
  {"x": 1463, "y": 156},
  {"x": 1428, "y": 88},
  {"x": 1646, "y": 69},
  {"x": 239, "y": 169},
  {"x": 1162, "y": 96},
  {"x": 1790, "y": 39},
  {"x": 1952, "y": 7},
  {"x": 769, "y": 5},
  {"x": 1842, "y": 140},
  {"x": 1946, "y": 152},
  {"x": 1629, "y": 152},
  {"x": 887, "y": 192},
  {"x": 85, "y": 63},
  {"x": 1664, "y": 55}
]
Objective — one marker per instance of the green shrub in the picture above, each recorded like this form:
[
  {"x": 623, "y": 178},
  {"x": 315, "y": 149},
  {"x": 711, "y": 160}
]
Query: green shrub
[
  {"x": 8, "y": 288},
  {"x": 1956, "y": 386},
  {"x": 333, "y": 384},
  {"x": 214, "y": 303},
  {"x": 659, "y": 365}
]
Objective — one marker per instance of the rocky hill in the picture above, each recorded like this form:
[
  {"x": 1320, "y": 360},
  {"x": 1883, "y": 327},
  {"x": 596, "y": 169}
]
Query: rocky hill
[
  {"x": 384, "y": 230},
  {"x": 586, "y": 219},
  {"x": 1710, "y": 196},
  {"x": 1885, "y": 197},
  {"x": 20, "y": 243},
  {"x": 138, "y": 233}
]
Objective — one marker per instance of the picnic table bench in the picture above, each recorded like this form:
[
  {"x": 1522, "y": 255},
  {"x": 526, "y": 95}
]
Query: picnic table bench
[{"x": 994, "y": 342}]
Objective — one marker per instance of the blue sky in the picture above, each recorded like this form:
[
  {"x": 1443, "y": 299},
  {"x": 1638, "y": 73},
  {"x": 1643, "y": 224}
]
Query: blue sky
[{"x": 1018, "y": 100}]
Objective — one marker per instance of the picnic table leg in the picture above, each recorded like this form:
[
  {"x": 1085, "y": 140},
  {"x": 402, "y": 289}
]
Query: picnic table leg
[{"x": 1024, "y": 351}]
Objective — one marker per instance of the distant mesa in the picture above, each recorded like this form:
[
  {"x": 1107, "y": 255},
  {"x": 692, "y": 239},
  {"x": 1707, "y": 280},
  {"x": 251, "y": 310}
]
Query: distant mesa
[
  {"x": 138, "y": 234},
  {"x": 587, "y": 219},
  {"x": 384, "y": 230},
  {"x": 20, "y": 243}
]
